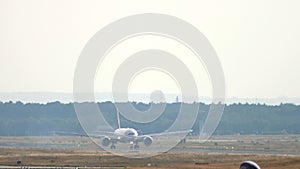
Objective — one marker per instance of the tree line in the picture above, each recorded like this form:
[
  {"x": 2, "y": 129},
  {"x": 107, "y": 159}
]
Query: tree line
[{"x": 34, "y": 119}]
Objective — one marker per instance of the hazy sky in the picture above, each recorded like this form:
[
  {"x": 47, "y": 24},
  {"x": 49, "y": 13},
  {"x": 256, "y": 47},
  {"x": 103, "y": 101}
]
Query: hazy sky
[{"x": 257, "y": 41}]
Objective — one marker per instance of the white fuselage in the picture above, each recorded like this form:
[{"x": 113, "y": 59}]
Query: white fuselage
[{"x": 126, "y": 134}]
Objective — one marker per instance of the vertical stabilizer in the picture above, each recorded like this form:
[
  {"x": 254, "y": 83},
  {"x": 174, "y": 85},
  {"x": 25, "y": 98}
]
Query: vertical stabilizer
[{"x": 118, "y": 118}]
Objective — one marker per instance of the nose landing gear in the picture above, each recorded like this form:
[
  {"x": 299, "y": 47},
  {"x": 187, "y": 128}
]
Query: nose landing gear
[
  {"x": 134, "y": 146},
  {"x": 113, "y": 147}
]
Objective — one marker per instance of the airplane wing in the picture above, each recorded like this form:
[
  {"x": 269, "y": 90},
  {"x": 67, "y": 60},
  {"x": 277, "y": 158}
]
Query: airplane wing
[
  {"x": 172, "y": 133},
  {"x": 99, "y": 134},
  {"x": 148, "y": 138}
]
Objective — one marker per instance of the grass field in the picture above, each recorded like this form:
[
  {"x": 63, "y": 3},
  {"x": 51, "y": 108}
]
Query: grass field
[
  {"x": 15, "y": 149},
  {"x": 59, "y": 157}
]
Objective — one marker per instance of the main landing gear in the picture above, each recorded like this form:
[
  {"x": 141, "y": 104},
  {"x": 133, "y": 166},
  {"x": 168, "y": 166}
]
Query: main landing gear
[{"x": 133, "y": 146}]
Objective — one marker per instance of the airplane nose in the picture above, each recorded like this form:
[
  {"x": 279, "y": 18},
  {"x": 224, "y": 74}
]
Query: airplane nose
[{"x": 249, "y": 165}]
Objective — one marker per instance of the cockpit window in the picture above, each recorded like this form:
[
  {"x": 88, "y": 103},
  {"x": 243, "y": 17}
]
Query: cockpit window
[{"x": 131, "y": 134}]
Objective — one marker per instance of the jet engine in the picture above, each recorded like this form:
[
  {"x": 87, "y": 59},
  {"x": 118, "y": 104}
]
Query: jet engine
[
  {"x": 147, "y": 140},
  {"x": 106, "y": 141}
]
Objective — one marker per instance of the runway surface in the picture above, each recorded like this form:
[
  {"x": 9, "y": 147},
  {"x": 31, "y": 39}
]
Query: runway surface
[{"x": 40, "y": 167}]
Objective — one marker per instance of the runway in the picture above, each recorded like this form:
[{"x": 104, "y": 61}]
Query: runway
[{"x": 57, "y": 167}]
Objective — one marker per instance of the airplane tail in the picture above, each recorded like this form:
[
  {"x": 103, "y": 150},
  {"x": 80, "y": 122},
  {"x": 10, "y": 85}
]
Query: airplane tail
[{"x": 118, "y": 118}]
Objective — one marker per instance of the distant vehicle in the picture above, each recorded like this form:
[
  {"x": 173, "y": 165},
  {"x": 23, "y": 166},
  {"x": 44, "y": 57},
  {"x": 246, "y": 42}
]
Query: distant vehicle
[
  {"x": 126, "y": 135},
  {"x": 249, "y": 165}
]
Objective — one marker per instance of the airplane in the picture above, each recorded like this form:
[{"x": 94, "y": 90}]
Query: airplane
[{"x": 126, "y": 135}]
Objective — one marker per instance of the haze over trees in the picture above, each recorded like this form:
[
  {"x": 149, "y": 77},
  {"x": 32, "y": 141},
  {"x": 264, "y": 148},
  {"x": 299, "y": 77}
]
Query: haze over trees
[{"x": 33, "y": 119}]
